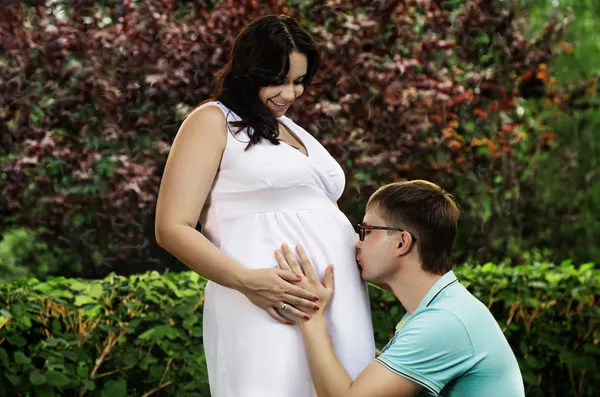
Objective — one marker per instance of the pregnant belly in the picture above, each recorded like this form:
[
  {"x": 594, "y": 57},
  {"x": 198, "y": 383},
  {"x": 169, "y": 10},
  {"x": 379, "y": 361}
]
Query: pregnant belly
[{"x": 326, "y": 235}]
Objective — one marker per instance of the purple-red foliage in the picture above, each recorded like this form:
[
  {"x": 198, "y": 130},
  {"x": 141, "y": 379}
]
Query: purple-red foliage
[{"x": 90, "y": 99}]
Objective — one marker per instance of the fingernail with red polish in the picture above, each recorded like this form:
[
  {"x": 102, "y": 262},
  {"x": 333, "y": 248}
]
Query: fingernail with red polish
[
  {"x": 316, "y": 298},
  {"x": 317, "y": 307},
  {"x": 288, "y": 323},
  {"x": 299, "y": 277},
  {"x": 307, "y": 317}
]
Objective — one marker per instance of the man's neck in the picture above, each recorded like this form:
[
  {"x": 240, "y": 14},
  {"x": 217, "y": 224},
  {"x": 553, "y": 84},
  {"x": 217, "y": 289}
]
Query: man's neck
[{"x": 411, "y": 285}]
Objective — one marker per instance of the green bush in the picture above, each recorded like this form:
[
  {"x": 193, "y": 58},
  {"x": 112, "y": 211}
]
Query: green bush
[
  {"x": 141, "y": 335},
  {"x": 24, "y": 254}
]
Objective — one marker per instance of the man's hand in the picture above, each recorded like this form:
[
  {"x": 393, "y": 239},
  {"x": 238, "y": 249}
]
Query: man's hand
[
  {"x": 329, "y": 375},
  {"x": 287, "y": 261}
]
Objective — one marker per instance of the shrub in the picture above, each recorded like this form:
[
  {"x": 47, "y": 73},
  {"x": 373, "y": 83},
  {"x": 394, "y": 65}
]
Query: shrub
[
  {"x": 133, "y": 335},
  {"x": 23, "y": 254},
  {"x": 112, "y": 337}
]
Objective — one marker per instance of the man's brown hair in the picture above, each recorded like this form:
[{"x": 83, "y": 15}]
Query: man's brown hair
[{"x": 425, "y": 210}]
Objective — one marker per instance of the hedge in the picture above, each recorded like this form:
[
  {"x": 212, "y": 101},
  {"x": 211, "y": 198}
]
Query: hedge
[{"x": 142, "y": 335}]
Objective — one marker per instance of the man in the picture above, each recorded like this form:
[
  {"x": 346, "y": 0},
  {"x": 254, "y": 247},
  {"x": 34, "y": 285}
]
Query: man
[{"x": 448, "y": 343}]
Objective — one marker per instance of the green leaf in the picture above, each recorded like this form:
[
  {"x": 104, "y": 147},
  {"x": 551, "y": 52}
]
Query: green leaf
[
  {"x": 36, "y": 378},
  {"x": 24, "y": 321},
  {"x": 21, "y": 358},
  {"x": 538, "y": 284},
  {"x": 171, "y": 285},
  {"x": 174, "y": 333},
  {"x": 16, "y": 340},
  {"x": 147, "y": 361},
  {"x": 532, "y": 362},
  {"x": 4, "y": 357},
  {"x": 185, "y": 310},
  {"x": 147, "y": 334},
  {"x": 197, "y": 331},
  {"x": 189, "y": 322},
  {"x": 56, "y": 326},
  {"x": 566, "y": 263},
  {"x": 78, "y": 286},
  {"x": 96, "y": 291},
  {"x": 115, "y": 388},
  {"x": 14, "y": 379},
  {"x": 71, "y": 355},
  {"x": 93, "y": 311},
  {"x": 63, "y": 294},
  {"x": 130, "y": 358},
  {"x": 83, "y": 300},
  {"x": 156, "y": 332},
  {"x": 482, "y": 39},
  {"x": 155, "y": 372},
  {"x": 57, "y": 379},
  {"x": 42, "y": 287},
  {"x": 77, "y": 220},
  {"x": 88, "y": 384},
  {"x": 83, "y": 372}
]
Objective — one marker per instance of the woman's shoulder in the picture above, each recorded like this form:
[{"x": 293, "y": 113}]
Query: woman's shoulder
[
  {"x": 210, "y": 107},
  {"x": 204, "y": 122},
  {"x": 206, "y": 113},
  {"x": 229, "y": 114}
]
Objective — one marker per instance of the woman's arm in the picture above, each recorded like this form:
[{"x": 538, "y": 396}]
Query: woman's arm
[{"x": 189, "y": 174}]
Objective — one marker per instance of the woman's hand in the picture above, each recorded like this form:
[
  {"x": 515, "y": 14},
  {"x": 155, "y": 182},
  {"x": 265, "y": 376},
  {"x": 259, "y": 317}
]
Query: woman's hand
[
  {"x": 272, "y": 290},
  {"x": 311, "y": 282}
]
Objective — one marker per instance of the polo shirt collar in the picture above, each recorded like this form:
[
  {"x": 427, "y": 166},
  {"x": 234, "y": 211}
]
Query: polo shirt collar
[{"x": 444, "y": 282}]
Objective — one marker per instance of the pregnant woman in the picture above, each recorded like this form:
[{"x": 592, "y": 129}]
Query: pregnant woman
[{"x": 255, "y": 179}]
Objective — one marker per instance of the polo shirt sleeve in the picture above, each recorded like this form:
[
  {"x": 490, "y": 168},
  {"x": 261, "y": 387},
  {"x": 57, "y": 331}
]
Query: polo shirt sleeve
[{"x": 432, "y": 348}]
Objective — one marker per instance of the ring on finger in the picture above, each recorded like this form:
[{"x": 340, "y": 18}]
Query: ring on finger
[{"x": 283, "y": 307}]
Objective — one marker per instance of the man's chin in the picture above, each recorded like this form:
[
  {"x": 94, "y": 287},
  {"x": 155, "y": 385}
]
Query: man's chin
[
  {"x": 363, "y": 275},
  {"x": 367, "y": 278}
]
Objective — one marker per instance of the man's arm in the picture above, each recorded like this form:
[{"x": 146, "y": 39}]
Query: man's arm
[
  {"x": 431, "y": 349},
  {"x": 331, "y": 379}
]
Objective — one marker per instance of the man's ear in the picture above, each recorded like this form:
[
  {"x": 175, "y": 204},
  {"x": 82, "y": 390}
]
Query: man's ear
[{"x": 405, "y": 241}]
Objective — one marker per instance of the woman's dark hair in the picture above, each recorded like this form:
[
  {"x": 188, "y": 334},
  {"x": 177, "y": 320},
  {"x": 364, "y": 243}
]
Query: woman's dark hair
[{"x": 261, "y": 57}]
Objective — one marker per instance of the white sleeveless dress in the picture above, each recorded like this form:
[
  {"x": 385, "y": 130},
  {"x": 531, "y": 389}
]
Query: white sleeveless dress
[{"x": 261, "y": 198}]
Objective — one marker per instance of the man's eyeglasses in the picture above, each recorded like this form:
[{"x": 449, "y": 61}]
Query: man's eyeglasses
[{"x": 361, "y": 230}]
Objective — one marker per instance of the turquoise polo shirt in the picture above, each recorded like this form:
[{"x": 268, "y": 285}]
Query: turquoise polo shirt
[{"x": 452, "y": 346}]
